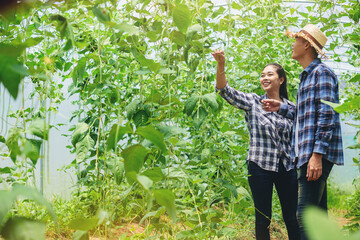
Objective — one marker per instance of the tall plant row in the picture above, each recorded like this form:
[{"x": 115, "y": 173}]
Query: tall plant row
[{"x": 150, "y": 137}]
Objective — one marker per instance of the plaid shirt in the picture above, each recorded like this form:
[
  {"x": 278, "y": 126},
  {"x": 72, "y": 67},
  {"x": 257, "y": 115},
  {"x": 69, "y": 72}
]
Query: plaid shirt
[
  {"x": 270, "y": 132},
  {"x": 319, "y": 125}
]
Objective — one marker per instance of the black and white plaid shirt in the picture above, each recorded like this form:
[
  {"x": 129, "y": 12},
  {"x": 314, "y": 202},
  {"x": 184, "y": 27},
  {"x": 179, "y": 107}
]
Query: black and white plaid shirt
[{"x": 270, "y": 132}]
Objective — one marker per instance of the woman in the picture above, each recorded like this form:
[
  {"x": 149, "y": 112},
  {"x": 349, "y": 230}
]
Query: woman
[{"x": 269, "y": 152}]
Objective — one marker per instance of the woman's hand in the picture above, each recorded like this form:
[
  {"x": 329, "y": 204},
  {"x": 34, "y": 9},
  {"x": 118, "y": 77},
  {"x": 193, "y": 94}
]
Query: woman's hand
[{"x": 219, "y": 56}]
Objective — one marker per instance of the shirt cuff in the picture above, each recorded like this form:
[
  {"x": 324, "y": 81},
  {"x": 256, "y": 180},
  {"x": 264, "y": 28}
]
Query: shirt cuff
[
  {"x": 222, "y": 89},
  {"x": 321, "y": 147},
  {"x": 284, "y": 108}
]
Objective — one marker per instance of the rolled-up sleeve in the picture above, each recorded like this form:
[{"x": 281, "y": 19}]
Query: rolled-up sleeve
[
  {"x": 239, "y": 99},
  {"x": 287, "y": 110}
]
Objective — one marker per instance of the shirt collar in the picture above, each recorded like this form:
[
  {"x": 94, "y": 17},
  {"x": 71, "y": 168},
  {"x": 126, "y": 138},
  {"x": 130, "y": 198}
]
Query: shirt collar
[{"x": 309, "y": 68}]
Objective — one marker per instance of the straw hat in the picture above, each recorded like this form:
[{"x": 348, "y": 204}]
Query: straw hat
[{"x": 312, "y": 34}]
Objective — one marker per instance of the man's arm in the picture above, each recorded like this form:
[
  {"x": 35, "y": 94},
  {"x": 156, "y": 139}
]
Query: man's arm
[
  {"x": 286, "y": 110},
  {"x": 325, "y": 89}
]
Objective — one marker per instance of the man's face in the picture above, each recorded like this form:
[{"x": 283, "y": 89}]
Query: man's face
[{"x": 298, "y": 48}]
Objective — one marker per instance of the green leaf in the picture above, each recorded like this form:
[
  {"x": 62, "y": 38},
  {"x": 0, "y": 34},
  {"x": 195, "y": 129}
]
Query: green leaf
[
  {"x": 156, "y": 214},
  {"x": 117, "y": 167},
  {"x": 20, "y": 69},
  {"x": 81, "y": 130},
  {"x": 12, "y": 142},
  {"x": 124, "y": 27},
  {"x": 205, "y": 154},
  {"x": 199, "y": 118},
  {"x": 172, "y": 172},
  {"x": 356, "y": 146},
  {"x": 86, "y": 224},
  {"x": 79, "y": 70},
  {"x": 166, "y": 198},
  {"x": 30, "y": 42},
  {"x": 32, "y": 149},
  {"x": 100, "y": 14},
  {"x": 18, "y": 228},
  {"x": 319, "y": 227},
  {"x": 178, "y": 38},
  {"x": 63, "y": 26},
  {"x": 134, "y": 157},
  {"x": 81, "y": 235},
  {"x": 227, "y": 185},
  {"x": 194, "y": 28},
  {"x": 5, "y": 170},
  {"x": 191, "y": 103},
  {"x": 117, "y": 133},
  {"x": 151, "y": 64},
  {"x": 6, "y": 201},
  {"x": 146, "y": 182},
  {"x": 331, "y": 104},
  {"x": 102, "y": 216},
  {"x": 356, "y": 78},
  {"x": 10, "y": 67},
  {"x": 132, "y": 108},
  {"x": 166, "y": 71},
  {"x": 83, "y": 224},
  {"x": 170, "y": 131},
  {"x": 153, "y": 135},
  {"x": 155, "y": 174},
  {"x": 193, "y": 64},
  {"x": 143, "y": 71},
  {"x": 243, "y": 192},
  {"x": 83, "y": 147},
  {"x": 39, "y": 128},
  {"x": 351, "y": 104},
  {"x": 186, "y": 52},
  {"x": 182, "y": 17},
  {"x": 141, "y": 118},
  {"x": 210, "y": 99}
]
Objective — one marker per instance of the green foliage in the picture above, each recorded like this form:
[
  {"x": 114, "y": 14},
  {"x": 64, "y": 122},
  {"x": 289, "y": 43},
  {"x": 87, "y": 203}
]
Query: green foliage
[
  {"x": 83, "y": 225},
  {"x": 11, "y": 71},
  {"x": 153, "y": 135},
  {"x": 166, "y": 198},
  {"x": 39, "y": 128},
  {"x": 353, "y": 104},
  {"x": 82, "y": 141},
  {"x": 182, "y": 17},
  {"x": 134, "y": 157},
  {"x": 320, "y": 227},
  {"x": 23, "y": 228},
  {"x": 20, "y": 227},
  {"x": 143, "y": 79},
  {"x": 116, "y": 134}
]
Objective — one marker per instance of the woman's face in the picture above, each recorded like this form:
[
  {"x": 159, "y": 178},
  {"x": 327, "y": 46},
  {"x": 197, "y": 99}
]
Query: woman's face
[{"x": 270, "y": 80}]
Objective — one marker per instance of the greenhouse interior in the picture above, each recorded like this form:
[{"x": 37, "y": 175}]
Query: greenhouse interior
[{"x": 112, "y": 125}]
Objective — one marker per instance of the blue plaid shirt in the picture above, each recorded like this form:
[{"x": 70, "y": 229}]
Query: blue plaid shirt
[
  {"x": 319, "y": 125},
  {"x": 270, "y": 133}
]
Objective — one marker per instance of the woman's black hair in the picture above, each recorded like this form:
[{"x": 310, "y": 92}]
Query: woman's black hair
[{"x": 281, "y": 72}]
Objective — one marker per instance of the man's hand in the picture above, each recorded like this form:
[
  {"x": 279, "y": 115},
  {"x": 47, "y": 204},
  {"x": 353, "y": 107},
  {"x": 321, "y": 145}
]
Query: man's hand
[
  {"x": 219, "y": 56},
  {"x": 314, "y": 168},
  {"x": 271, "y": 105}
]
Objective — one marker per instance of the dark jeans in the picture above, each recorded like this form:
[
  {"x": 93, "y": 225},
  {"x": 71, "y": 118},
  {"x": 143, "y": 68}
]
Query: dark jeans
[
  {"x": 261, "y": 183},
  {"x": 312, "y": 192}
]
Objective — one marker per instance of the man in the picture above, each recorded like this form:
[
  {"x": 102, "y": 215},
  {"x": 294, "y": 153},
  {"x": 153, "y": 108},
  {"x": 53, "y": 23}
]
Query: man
[{"x": 317, "y": 143}]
